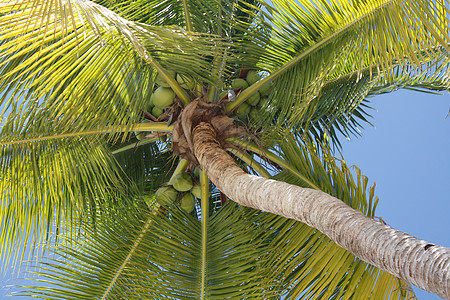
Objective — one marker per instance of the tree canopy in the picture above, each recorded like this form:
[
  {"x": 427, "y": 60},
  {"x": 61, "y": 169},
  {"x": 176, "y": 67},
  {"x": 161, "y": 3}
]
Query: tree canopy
[{"x": 82, "y": 153}]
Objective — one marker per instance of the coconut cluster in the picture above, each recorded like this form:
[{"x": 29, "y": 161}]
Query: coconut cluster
[
  {"x": 254, "y": 103},
  {"x": 183, "y": 190},
  {"x": 163, "y": 97}
]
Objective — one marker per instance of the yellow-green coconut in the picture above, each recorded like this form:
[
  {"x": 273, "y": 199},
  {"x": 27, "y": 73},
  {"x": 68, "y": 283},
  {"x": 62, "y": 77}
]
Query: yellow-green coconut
[
  {"x": 187, "y": 202},
  {"x": 182, "y": 182},
  {"x": 166, "y": 195},
  {"x": 252, "y": 77},
  {"x": 163, "y": 97},
  {"x": 239, "y": 83},
  {"x": 197, "y": 190}
]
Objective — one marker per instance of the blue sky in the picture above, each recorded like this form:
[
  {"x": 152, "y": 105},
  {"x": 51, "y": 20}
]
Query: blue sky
[{"x": 407, "y": 154}]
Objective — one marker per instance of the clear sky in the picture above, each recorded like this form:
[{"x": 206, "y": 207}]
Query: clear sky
[{"x": 407, "y": 154}]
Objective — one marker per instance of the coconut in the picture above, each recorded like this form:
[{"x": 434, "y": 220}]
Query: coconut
[
  {"x": 185, "y": 82},
  {"x": 156, "y": 111},
  {"x": 150, "y": 103},
  {"x": 239, "y": 83},
  {"x": 163, "y": 97},
  {"x": 254, "y": 99},
  {"x": 161, "y": 81},
  {"x": 187, "y": 202},
  {"x": 263, "y": 101},
  {"x": 243, "y": 110},
  {"x": 197, "y": 172},
  {"x": 266, "y": 89},
  {"x": 166, "y": 195},
  {"x": 182, "y": 182},
  {"x": 254, "y": 114},
  {"x": 252, "y": 77},
  {"x": 197, "y": 190}
]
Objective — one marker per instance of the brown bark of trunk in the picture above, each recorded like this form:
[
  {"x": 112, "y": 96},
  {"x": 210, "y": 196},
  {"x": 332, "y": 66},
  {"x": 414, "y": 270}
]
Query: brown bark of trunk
[{"x": 413, "y": 260}]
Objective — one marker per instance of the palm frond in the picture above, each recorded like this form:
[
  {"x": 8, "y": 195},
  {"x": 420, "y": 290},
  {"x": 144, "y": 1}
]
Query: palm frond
[
  {"x": 61, "y": 61},
  {"x": 212, "y": 16},
  {"x": 156, "y": 254},
  {"x": 249, "y": 254},
  {"x": 204, "y": 15},
  {"x": 146, "y": 166},
  {"x": 339, "y": 109},
  {"x": 45, "y": 184},
  {"x": 418, "y": 82},
  {"x": 321, "y": 41}
]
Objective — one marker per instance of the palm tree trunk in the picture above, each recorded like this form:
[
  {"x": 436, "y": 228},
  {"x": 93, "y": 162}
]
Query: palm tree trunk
[{"x": 413, "y": 260}]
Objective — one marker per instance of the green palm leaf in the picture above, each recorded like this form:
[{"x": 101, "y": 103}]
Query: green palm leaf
[
  {"x": 212, "y": 16},
  {"x": 157, "y": 255},
  {"x": 64, "y": 180},
  {"x": 77, "y": 78},
  {"x": 82, "y": 54},
  {"x": 310, "y": 41}
]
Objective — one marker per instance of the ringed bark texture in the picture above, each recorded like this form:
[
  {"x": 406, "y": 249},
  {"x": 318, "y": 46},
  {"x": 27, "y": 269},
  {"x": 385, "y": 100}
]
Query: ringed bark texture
[{"x": 413, "y": 260}]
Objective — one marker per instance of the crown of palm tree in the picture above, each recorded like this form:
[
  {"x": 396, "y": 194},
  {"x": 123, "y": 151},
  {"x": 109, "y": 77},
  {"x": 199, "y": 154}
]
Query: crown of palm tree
[{"x": 82, "y": 154}]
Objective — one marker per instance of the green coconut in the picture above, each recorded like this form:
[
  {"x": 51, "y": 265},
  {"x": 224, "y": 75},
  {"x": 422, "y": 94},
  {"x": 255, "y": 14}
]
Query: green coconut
[
  {"x": 239, "y": 83},
  {"x": 197, "y": 172},
  {"x": 182, "y": 182},
  {"x": 252, "y": 77},
  {"x": 150, "y": 104},
  {"x": 243, "y": 110},
  {"x": 185, "y": 82},
  {"x": 254, "y": 114},
  {"x": 161, "y": 81},
  {"x": 187, "y": 202},
  {"x": 166, "y": 195},
  {"x": 263, "y": 101},
  {"x": 163, "y": 97},
  {"x": 266, "y": 89},
  {"x": 156, "y": 111},
  {"x": 197, "y": 190},
  {"x": 253, "y": 100}
]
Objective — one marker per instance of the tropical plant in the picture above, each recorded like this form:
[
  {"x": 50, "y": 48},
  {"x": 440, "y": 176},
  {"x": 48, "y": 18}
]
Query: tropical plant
[{"x": 115, "y": 112}]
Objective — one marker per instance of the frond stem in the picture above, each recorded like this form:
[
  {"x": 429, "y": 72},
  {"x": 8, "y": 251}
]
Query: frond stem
[
  {"x": 271, "y": 156},
  {"x": 130, "y": 254},
  {"x": 250, "y": 161},
  {"x": 137, "y": 127},
  {"x": 187, "y": 17},
  {"x": 204, "y": 182},
  {"x": 182, "y": 165},
  {"x": 135, "y": 145}
]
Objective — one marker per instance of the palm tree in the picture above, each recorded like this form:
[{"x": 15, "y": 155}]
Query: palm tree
[{"x": 106, "y": 102}]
